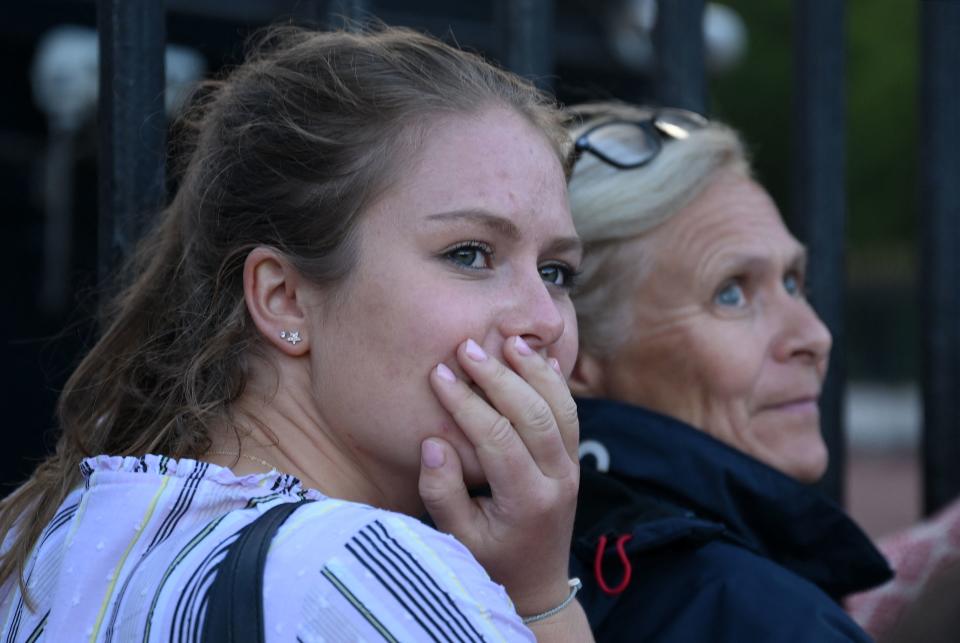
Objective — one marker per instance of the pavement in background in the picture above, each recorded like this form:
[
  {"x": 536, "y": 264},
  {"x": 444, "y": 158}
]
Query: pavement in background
[
  {"x": 883, "y": 482},
  {"x": 883, "y": 491}
]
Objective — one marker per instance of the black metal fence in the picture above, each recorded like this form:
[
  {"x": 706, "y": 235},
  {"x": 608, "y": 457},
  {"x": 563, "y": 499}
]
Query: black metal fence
[
  {"x": 133, "y": 40},
  {"x": 819, "y": 198},
  {"x": 132, "y": 122},
  {"x": 940, "y": 248}
]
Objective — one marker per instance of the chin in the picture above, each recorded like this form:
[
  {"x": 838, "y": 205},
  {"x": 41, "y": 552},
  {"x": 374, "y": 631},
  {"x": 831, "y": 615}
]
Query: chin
[{"x": 811, "y": 467}]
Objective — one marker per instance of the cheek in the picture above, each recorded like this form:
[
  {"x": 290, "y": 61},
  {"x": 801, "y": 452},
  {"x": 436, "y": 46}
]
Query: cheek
[
  {"x": 655, "y": 372},
  {"x": 568, "y": 345},
  {"x": 729, "y": 362},
  {"x": 426, "y": 328},
  {"x": 695, "y": 372},
  {"x": 395, "y": 329},
  {"x": 728, "y": 355}
]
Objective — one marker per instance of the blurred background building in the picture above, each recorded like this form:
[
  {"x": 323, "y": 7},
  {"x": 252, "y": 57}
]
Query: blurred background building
[{"x": 597, "y": 49}]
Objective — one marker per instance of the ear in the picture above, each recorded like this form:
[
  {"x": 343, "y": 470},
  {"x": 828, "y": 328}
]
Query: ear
[
  {"x": 587, "y": 378},
  {"x": 276, "y": 298}
]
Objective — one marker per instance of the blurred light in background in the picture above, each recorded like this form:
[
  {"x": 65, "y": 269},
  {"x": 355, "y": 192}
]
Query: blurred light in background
[
  {"x": 65, "y": 77},
  {"x": 630, "y": 27}
]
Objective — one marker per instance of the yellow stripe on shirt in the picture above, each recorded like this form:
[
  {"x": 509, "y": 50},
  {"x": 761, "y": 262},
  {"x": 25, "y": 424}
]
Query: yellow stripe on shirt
[{"x": 116, "y": 572}]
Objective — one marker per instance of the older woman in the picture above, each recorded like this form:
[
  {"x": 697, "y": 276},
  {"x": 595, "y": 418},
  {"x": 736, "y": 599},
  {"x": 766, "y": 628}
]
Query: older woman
[
  {"x": 700, "y": 366},
  {"x": 358, "y": 297}
]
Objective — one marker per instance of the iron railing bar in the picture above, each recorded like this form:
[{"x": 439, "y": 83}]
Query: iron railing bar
[
  {"x": 819, "y": 198},
  {"x": 525, "y": 30},
  {"x": 679, "y": 60},
  {"x": 347, "y": 14},
  {"x": 132, "y": 125},
  {"x": 938, "y": 286}
]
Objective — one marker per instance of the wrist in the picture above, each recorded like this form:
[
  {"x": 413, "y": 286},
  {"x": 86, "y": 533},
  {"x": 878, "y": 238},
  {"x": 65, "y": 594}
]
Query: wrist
[
  {"x": 568, "y": 626},
  {"x": 554, "y": 606}
]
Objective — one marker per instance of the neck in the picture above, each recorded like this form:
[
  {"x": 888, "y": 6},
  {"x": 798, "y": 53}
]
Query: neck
[{"x": 278, "y": 427}]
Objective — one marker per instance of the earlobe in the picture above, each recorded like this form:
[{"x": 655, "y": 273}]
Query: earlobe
[
  {"x": 587, "y": 378},
  {"x": 274, "y": 293}
]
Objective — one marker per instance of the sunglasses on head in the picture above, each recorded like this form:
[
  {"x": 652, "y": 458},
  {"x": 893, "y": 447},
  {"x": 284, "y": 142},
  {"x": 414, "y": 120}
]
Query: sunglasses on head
[{"x": 628, "y": 144}]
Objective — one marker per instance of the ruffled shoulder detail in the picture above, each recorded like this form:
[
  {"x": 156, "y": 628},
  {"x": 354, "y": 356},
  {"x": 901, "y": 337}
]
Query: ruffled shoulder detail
[{"x": 276, "y": 481}]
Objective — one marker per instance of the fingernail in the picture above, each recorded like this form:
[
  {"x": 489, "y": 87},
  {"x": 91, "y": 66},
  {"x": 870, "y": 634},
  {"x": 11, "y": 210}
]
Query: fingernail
[
  {"x": 475, "y": 352},
  {"x": 522, "y": 346},
  {"x": 445, "y": 373},
  {"x": 556, "y": 365},
  {"x": 432, "y": 454}
]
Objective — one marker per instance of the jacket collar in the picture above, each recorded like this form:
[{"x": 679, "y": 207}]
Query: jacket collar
[{"x": 760, "y": 507}]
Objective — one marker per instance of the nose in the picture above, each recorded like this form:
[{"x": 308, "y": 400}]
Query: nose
[
  {"x": 804, "y": 335},
  {"x": 532, "y": 312}
]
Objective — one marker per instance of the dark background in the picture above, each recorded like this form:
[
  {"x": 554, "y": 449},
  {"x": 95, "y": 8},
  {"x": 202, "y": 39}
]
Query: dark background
[{"x": 40, "y": 347}]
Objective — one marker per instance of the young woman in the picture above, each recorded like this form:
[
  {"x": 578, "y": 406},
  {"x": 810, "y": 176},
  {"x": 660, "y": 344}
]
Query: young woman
[{"x": 358, "y": 296}]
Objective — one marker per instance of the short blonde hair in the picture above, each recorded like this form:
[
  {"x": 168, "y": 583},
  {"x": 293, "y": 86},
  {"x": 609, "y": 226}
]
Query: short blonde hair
[{"x": 611, "y": 206}]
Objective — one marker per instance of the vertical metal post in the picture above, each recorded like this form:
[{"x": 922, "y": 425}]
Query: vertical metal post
[
  {"x": 311, "y": 12},
  {"x": 819, "y": 198},
  {"x": 132, "y": 124},
  {"x": 526, "y": 38},
  {"x": 680, "y": 55},
  {"x": 940, "y": 248},
  {"x": 347, "y": 14}
]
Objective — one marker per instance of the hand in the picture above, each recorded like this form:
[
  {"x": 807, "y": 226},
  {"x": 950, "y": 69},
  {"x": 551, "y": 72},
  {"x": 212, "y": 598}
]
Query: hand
[{"x": 526, "y": 442}]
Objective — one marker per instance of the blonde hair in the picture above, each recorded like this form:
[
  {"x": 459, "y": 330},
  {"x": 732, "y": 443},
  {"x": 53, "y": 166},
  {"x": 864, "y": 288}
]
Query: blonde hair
[{"x": 612, "y": 205}]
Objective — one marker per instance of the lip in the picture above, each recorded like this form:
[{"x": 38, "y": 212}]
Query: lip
[{"x": 799, "y": 405}]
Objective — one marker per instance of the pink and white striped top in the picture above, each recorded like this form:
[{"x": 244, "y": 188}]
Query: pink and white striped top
[{"x": 132, "y": 554}]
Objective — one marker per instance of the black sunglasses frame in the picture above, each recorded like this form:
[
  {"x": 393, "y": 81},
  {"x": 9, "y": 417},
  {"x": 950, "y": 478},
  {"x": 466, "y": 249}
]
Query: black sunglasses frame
[{"x": 660, "y": 126}]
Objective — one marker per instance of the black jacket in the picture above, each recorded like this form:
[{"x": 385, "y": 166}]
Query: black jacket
[{"x": 721, "y": 546}]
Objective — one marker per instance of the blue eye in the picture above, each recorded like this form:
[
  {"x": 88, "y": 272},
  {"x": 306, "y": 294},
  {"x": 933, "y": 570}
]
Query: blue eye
[
  {"x": 730, "y": 295},
  {"x": 792, "y": 285},
  {"x": 474, "y": 255},
  {"x": 558, "y": 275}
]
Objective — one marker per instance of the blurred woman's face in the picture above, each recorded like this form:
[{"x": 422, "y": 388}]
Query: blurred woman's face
[
  {"x": 474, "y": 240},
  {"x": 723, "y": 337}
]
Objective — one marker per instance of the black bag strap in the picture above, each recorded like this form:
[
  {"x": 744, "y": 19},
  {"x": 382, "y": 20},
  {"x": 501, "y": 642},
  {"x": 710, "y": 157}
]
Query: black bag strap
[{"x": 235, "y": 601}]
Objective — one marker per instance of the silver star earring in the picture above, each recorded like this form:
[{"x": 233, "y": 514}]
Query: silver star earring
[{"x": 292, "y": 336}]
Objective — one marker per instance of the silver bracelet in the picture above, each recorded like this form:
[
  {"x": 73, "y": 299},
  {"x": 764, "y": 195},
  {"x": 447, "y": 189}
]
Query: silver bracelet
[{"x": 575, "y": 586}]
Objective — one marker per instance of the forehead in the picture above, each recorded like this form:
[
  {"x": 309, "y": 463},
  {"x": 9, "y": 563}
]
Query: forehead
[
  {"x": 732, "y": 219},
  {"x": 494, "y": 161}
]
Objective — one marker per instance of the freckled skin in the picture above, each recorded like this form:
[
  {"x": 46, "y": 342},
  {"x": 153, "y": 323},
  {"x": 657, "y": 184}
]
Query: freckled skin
[
  {"x": 406, "y": 308},
  {"x": 745, "y": 374}
]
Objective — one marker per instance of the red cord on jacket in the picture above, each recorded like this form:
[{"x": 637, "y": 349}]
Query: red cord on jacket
[{"x": 624, "y": 560}]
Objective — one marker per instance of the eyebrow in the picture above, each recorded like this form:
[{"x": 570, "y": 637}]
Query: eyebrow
[
  {"x": 506, "y": 227},
  {"x": 750, "y": 262}
]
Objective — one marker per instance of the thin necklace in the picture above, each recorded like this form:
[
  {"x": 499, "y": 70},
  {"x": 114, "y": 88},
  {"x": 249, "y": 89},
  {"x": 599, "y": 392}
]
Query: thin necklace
[{"x": 248, "y": 457}]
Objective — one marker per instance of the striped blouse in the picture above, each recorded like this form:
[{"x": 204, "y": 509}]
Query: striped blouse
[{"x": 132, "y": 554}]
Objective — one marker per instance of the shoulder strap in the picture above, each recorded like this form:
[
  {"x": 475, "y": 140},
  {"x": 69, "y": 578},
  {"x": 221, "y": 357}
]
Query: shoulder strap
[{"x": 235, "y": 600}]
